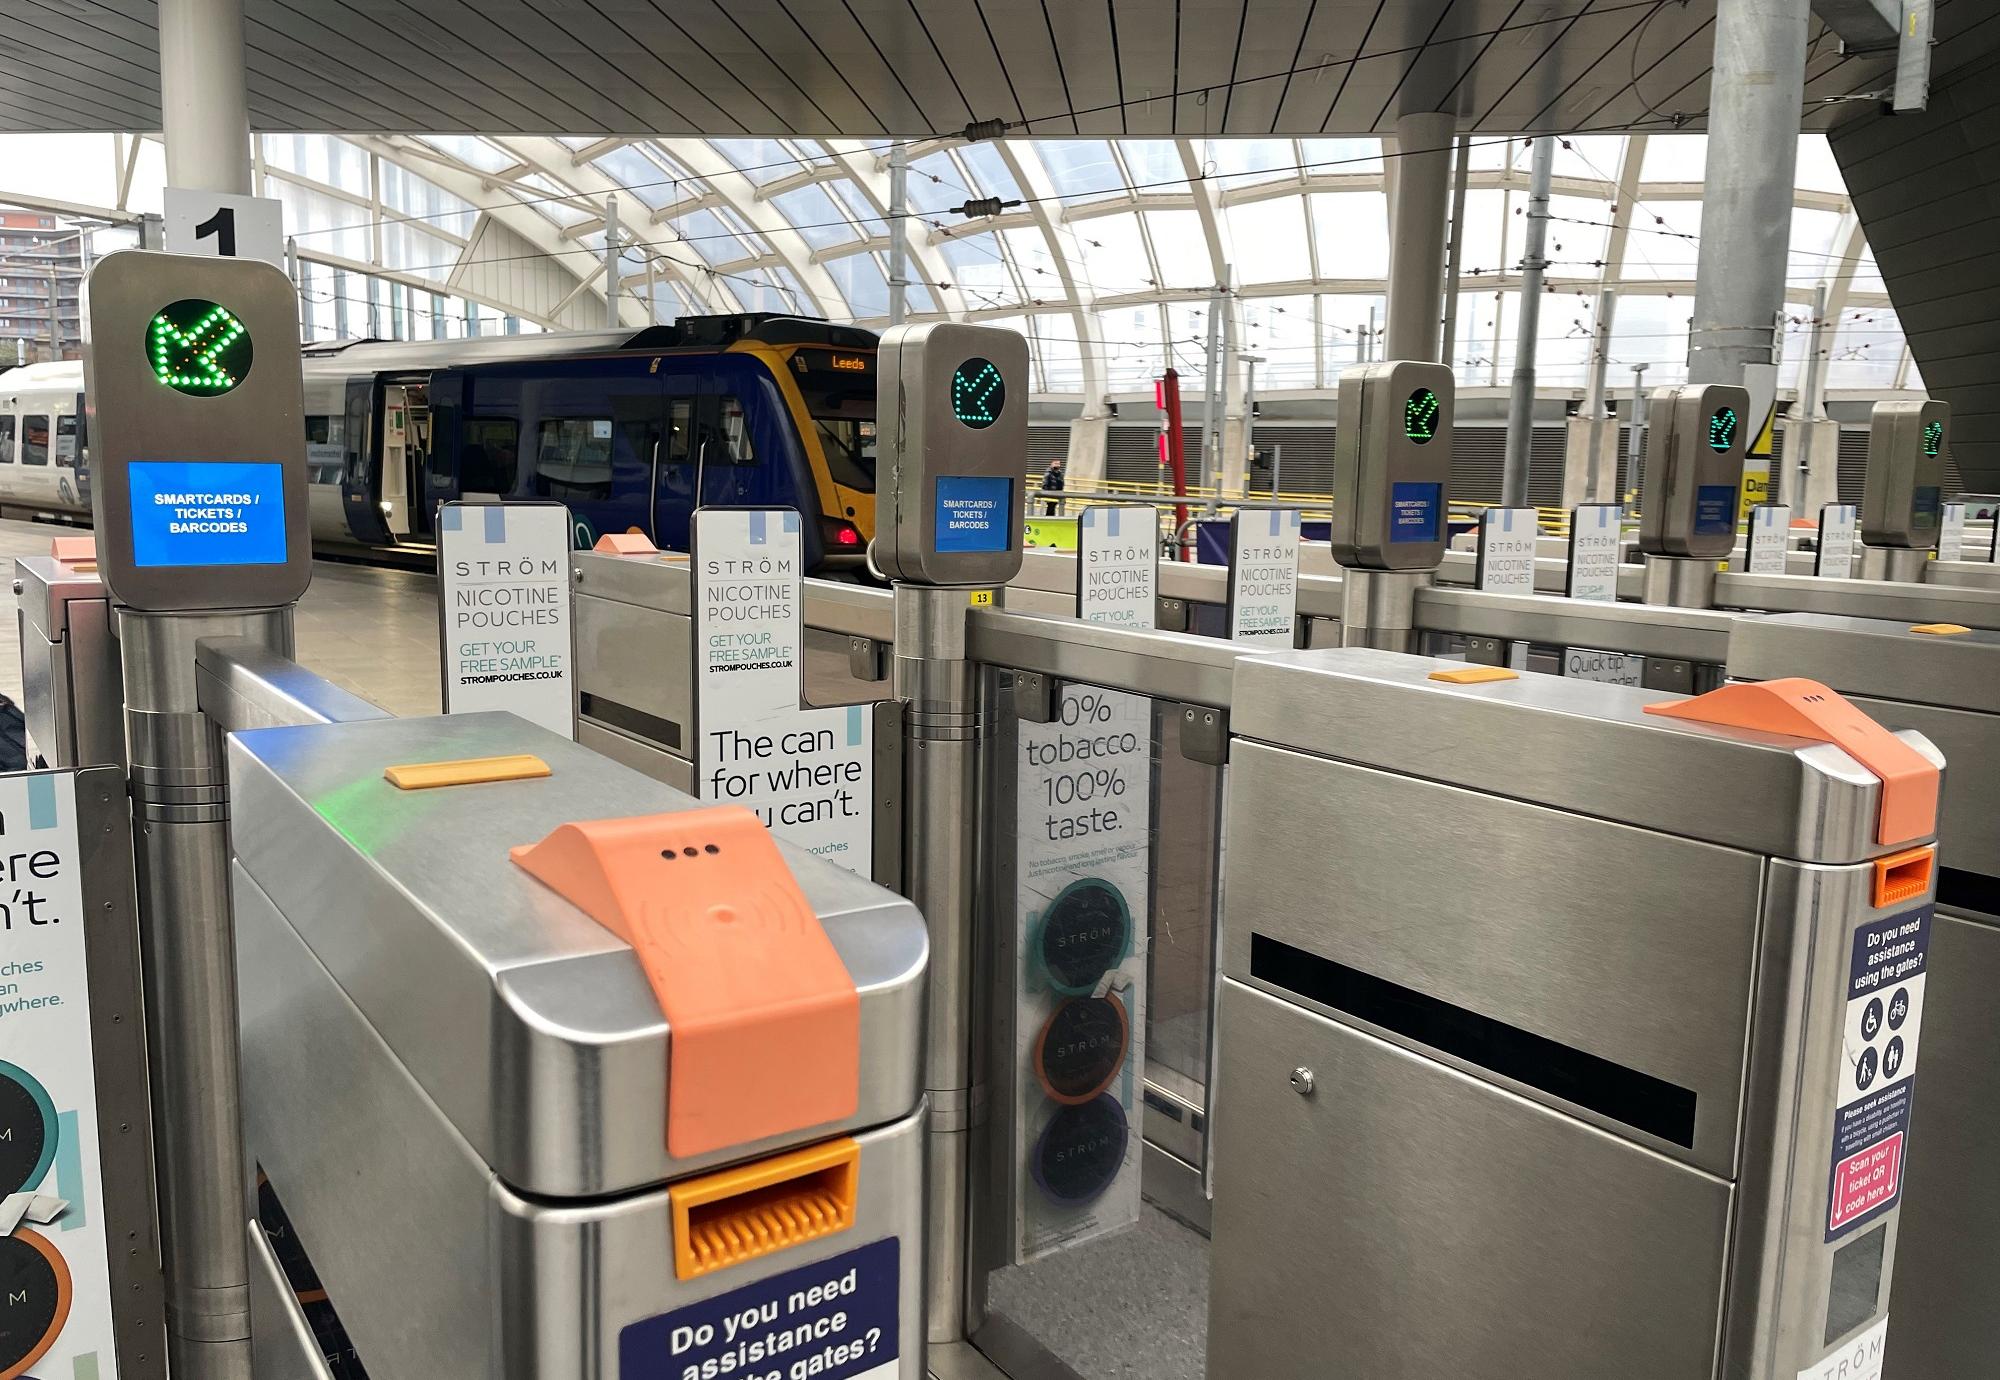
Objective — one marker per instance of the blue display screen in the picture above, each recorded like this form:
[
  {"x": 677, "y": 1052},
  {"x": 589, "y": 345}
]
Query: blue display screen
[
  {"x": 1714, "y": 509},
  {"x": 974, "y": 513},
  {"x": 207, "y": 513},
  {"x": 1415, "y": 511},
  {"x": 1926, "y": 506}
]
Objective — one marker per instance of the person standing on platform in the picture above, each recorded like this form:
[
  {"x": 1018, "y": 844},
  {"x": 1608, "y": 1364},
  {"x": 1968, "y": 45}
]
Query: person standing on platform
[{"x": 1052, "y": 483}]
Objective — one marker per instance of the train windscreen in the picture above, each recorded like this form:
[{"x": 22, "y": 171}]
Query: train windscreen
[{"x": 839, "y": 391}]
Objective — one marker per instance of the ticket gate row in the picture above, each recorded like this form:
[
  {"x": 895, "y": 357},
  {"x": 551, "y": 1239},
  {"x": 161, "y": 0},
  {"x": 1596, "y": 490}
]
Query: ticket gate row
[{"x": 660, "y": 1085}]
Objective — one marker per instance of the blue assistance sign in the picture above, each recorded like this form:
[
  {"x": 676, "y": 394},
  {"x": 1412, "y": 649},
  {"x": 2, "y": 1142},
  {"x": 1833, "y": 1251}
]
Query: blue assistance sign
[
  {"x": 974, "y": 513},
  {"x": 207, "y": 513},
  {"x": 1878, "y": 1068},
  {"x": 834, "y": 1320}
]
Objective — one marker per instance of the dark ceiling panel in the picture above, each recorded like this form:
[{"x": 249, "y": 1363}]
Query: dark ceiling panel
[
  {"x": 1021, "y": 37},
  {"x": 959, "y": 27},
  {"x": 1273, "y": 34},
  {"x": 743, "y": 72},
  {"x": 1393, "y": 36},
  {"x": 849, "y": 48},
  {"x": 1207, "y": 46},
  {"x": 909, "y": 42},
  {"x": 778, "y": 34},
  {"x": 1587, "y": 63},
  {"x": 864, "y": 67},
  {"x": 1433, "y": 75},
  {"x": 1332, "y": 32},
  {"x": 1082, "y": 30},
  {"x": 636, "y": 37},
  {"x": 1146, "y": 66}
]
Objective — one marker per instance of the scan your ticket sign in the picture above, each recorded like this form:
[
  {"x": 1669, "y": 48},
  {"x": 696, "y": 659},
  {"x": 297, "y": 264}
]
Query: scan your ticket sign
[
  {"x": 1081, "y": 902},
  {"x": 504, "y": 611},
  {"x": 806, "y": 772}
]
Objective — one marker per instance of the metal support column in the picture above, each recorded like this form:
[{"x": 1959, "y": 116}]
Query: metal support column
[
  {"x": 1416, "y": 253},
  {"x": 1635, "y": 432},
  {"x": 611, "y": 260},
  {"x": 942, "y": 731},
  {"x": 1454, "y": 270},
  {"x": 1594, "y": 397},
  {"x": 1521, "y": 402},
  {"x": 203, "y": 96},
  {"x": 180, "y": 823},
  {"x": 1212, "y": 392},
  {"x": 899, "y": 244},
  {"x": 1746, "y": 216},
  {"x": 1812, "y": 406}
]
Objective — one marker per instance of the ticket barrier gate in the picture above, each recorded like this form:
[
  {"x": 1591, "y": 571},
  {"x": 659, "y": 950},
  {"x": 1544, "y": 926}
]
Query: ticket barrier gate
[
  {"x": 562, "y": 1182},
  {"x": 71, "y": 695},
  {"x": 1474, "y": 1123},
  {"x": 1945, "y": 685}
]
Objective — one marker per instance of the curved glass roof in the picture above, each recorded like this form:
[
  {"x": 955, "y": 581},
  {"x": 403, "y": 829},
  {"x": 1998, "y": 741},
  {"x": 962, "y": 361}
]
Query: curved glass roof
[{"x": 1110, "y": 254}]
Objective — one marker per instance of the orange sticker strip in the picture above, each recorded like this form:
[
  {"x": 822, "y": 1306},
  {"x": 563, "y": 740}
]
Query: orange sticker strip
[
  {"x": 765, "y": 1022},
  {"x": 1801, "y": 708}
]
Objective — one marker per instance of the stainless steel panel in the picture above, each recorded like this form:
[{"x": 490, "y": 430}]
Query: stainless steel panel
[
  {"x": 1679, "y": 581},
  {"x": 1902, "y": 564},
  {"x": 636, "y": 654},
  {"x": 1569, "y": 744},
  {"x": 240, "y": 683},
  {"x": 854, "y": 610},
  {"x": 1174, "y": 666},
  {"x": 71, "y": 698},
  {"x": 1967, "y": 574},
  {"x": 1555, "y": 928},
  {"x": 638, "y": 754},
  {"x": 1946, "y": 1326},
  {"x": 1897, "y": 602},
  {"x": 465, "y": 1277},
  {"x": 282, "y": 1345},
  {"x": 1453, "y": 1230},
  {"x": 124, "y": 1096},
  {"x": 1643, "y": 629},
  {"x": 525, "y": 1020},
  {"x": 1871, "y": 656}
]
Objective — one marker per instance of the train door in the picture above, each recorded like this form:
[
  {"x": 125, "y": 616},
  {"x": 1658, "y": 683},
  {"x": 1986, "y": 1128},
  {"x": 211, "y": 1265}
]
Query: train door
[
  {"x": 406, "y": 442},
  {"x": 361, "y": 443}
]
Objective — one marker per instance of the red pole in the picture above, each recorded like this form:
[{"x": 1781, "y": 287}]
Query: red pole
[{"x": 1168, "y": 395}]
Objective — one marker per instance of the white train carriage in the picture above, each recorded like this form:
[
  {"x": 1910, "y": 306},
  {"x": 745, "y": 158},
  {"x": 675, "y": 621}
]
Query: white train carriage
[{"x": 42, "y": 466}]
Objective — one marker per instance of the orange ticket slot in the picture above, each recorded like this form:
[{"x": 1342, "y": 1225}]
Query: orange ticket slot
[
  {"x": 739, "y": 1214},
  {"x": 1801, "y": 708},
  {"x": 765, "y": 1022},
  {"x": 625, "y": 544}
]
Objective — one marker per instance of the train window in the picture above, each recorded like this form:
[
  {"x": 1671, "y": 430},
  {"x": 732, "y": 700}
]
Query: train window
[
  {"x": 66, "y": 440},
  {"x": 6, "y": 439},
  {"x": 490, "y": 455},
  {"x": 680, "y": 430},
  {"x": 573, "y": 458},
  {"x": 35, "y": 439},
  {"x": 326, "y": 457},
  {"x": 732, "y": 434}
]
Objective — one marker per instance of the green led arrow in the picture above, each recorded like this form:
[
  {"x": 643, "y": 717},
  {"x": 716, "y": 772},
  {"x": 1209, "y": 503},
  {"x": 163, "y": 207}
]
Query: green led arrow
[
  {"x": 198, "y": 347},
  {"x": 978, "y": 393},
  {"x": 1933, "y": 437},
  {"x": 1722, "y": 430},
  {"x": 1420, "y": 416}
]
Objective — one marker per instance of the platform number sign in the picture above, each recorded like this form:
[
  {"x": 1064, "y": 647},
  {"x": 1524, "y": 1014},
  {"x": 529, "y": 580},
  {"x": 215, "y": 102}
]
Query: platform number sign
[
  {"x": 1420, "y": 415},
  {"x": 198, "y": 347},
  {"x": 978, "y": 393},
  {"x": 1933, "y": 439},
  {"x": 225, "y": 226},
  {"x": 1722, "y": 425}
]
